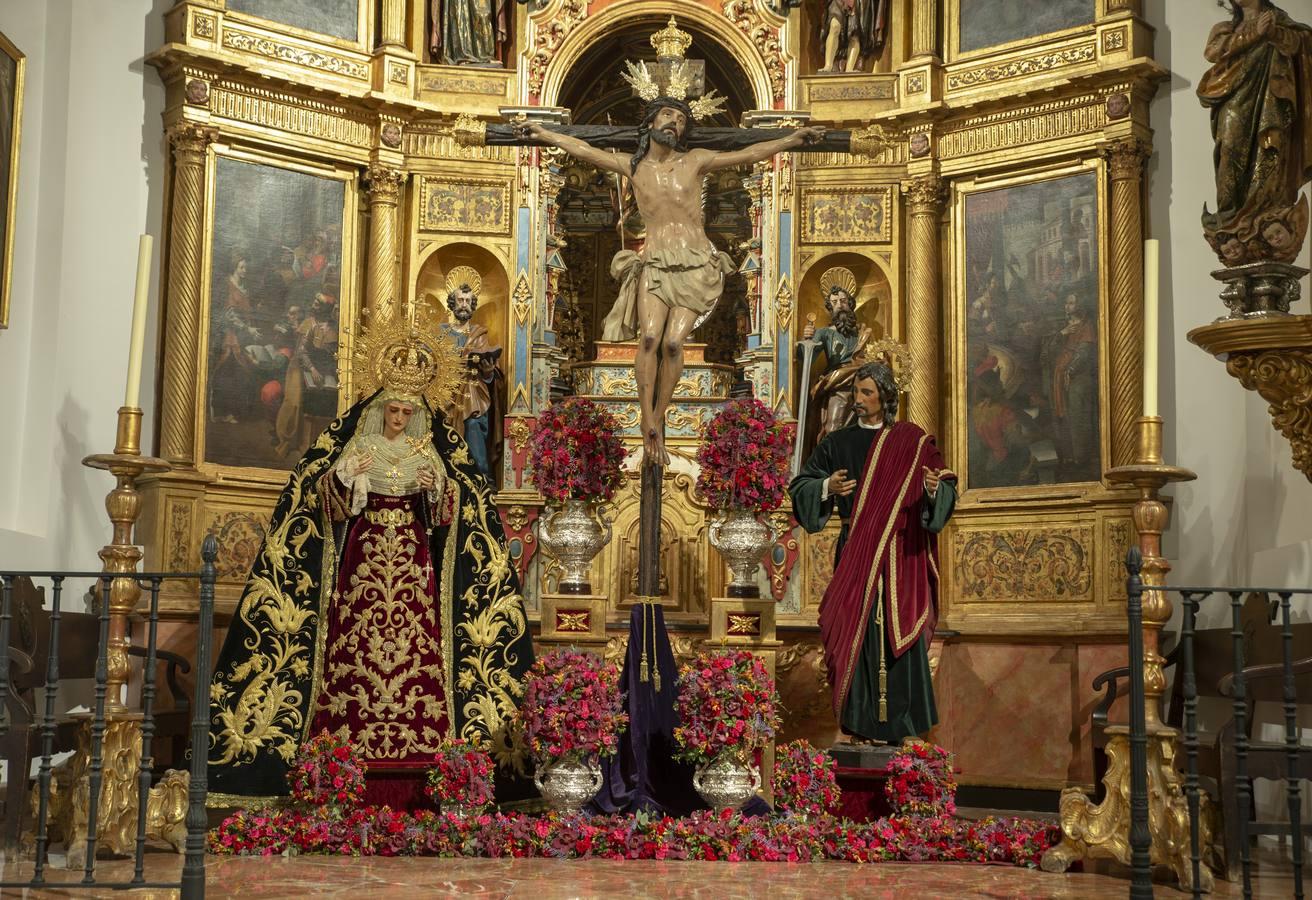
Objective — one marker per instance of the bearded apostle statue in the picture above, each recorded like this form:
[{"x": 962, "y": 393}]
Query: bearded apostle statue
[
  {"x": 1259, "y": 90},
  {"x": 478, "y": 404},
  {"x": 893, "y": 494},
  {"x": 382, "y": 606},
  {"x": 843, "y": 342}
]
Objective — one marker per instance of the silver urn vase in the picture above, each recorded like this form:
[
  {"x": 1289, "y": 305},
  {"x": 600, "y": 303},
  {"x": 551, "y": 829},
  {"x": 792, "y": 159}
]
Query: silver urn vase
[
  {"x": 574, "y": 534},
  {"x": 742, "y": 539},
  {"x": 569, "y": 782},
  {"x": 727, "y": 782}
]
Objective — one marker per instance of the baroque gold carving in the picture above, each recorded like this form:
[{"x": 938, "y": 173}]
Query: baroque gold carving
[
  {"x": 203, "y": 26},
  {"x": 522, "y": 299},
  {"x": 1119, "y": 534},
  {"x": 1283, "y": 378},
  {"x": 468, "y": 206},
  {"x": 1032, "y": 125},
  {"x": 765, "y": 37},
  {"x": 846, "y": 215},
  {"x": 179, "y": 537},
  {"x": 398, "y": 73},
  {"x": 290, "y": 114},
  {"x": 1036, "y": 564},
  {"x": 1103, "y": 831},
  {"x": 240, "y": 535},
  {"x": 863, "y": 90},
  {"x": 467, "y": 85},
  {"x": 548, "y": 35},
  {"x": 301, "y": 56},
  {"x": 519, "y": 432},
  {"x": 916, "y": 83},
  {"x": 1030, "y": 65},
  {"x": 1113, "y": 39},
  {"x": 783, "y": 304}
]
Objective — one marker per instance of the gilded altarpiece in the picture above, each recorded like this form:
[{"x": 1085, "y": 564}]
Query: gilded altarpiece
[{"x": 1032, "y": 579}]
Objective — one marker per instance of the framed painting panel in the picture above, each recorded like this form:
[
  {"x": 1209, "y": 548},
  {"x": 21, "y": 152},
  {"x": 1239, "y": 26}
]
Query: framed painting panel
[
  {"x": 1029, "y": 341},
  {"x": 12, "y": 63},
  {"x": 989, "y": 24},
  {"x": 278, "y": 315},
  {"x": 340, "y": 19}
]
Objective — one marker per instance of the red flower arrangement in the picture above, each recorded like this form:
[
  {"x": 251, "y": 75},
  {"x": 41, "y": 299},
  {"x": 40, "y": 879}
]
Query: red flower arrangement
[
  {"x": 805, "y": 781},
  {"x": 461, "y": 777},
  {"x": 573, "y": 705},
  {"x": 575, "y": 452},
  {"x": 328, "y": 775},
  {"x": 920, "y": 781},
  {"x": 745, "y": 457},
  {"x": 726, "y": 704}
]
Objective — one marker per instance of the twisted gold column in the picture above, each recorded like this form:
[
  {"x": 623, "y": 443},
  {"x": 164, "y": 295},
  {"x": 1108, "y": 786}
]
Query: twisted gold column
[
  {"x": 925, "y": 197},
  {"x": 924, "y": 21},
  {"x": 182, "y": 351},
  {"x": 382, "y": 279},
  {"x": 1125, "y": 160}
]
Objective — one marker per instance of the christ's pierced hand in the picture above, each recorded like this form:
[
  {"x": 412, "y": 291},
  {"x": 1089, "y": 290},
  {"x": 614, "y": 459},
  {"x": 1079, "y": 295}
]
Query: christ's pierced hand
[
  {"x": 812, "y": 134},
  {"x": 531, "y": 130}
]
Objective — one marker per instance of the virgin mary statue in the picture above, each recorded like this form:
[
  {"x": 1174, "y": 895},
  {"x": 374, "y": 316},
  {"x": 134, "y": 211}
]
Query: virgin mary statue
[{"x": 383, "y": 606}]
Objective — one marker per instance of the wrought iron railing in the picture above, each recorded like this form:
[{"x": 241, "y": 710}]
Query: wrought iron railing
[
  {"x": 1235, "y": 685},
  {"x": 192, "y": 878}
]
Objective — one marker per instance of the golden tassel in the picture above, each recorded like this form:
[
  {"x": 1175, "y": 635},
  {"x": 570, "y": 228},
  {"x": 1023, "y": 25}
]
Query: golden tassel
[{"x": 643, "y": 673}]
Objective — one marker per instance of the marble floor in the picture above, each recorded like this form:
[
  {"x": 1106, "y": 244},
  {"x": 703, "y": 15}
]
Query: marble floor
[{"x": 375, "y": 879}]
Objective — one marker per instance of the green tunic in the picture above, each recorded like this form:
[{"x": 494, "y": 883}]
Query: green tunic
[{"x": 911, "y": 709}]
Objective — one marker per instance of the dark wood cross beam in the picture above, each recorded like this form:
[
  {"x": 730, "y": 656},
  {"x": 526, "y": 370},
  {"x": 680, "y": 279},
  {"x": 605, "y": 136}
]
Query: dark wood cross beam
[{"x": 625, "y": 138}]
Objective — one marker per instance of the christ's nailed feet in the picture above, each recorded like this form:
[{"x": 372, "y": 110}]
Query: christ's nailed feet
[{"x": 653, "y": 448}]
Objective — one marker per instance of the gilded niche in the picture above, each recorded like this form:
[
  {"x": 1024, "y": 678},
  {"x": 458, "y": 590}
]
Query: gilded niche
[
  {"x": 1037, "y": 564},
  {"x": 846, "y": 215},
  {"x": 475, "y": 205}
]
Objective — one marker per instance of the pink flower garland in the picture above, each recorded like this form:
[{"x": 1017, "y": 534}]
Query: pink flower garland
[
  {"x": 461, "y": 776},
  {"x": 920, "y": 781},
  {"x": 805, "y": 780},
  {"x": 326, "y": 774}
]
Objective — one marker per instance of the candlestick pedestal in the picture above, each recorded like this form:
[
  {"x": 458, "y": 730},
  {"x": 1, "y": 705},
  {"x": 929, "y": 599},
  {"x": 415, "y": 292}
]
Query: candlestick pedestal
[
  {"x": 121, "y": 740},
  {"x": 1092, "y": 831}
]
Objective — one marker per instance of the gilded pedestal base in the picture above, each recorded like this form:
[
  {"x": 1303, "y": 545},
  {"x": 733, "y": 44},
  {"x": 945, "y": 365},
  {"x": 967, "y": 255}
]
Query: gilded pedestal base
[
  {"x": 1103, "y": 831},
  {"x": 116, "y": 826}
]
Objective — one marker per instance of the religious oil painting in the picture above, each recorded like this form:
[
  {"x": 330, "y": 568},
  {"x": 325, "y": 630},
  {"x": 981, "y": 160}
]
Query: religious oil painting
[
  {"x": 274, "y": 313},
  {"x": 11, "y": 118},
  {"x": 336, "y": 18},
  {"x": 988, "y": 23},
  {"x": 1032, "y": 340}
]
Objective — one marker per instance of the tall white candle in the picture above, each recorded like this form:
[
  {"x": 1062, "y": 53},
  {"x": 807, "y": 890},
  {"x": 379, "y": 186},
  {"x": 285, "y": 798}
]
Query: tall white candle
[
  {"x": 132, "y": 393},
  {"x": 1150, "y": 273}
]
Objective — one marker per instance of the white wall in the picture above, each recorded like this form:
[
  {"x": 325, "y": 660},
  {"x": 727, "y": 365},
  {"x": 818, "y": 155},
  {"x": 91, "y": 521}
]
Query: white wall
[
  {"x": 91, "y": 167},
  {"x": 1248, "y": 517}
]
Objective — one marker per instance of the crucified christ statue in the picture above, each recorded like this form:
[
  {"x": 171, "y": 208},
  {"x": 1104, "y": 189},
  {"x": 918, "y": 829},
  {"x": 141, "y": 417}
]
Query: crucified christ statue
[{"x": 672, "y": 286}]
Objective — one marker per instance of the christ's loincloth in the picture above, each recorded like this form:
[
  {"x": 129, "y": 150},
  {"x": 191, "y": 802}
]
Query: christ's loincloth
[{"x": 681, "y": 279}]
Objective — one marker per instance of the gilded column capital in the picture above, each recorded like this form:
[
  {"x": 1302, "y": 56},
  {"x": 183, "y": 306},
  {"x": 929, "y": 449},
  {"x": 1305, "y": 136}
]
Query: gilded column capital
[
  {"x": 384, "y": 183},
  {"x": 926, "y": 195},
  {"x": 1126, "y": 158},
  {"x": 190, "y": 139}
]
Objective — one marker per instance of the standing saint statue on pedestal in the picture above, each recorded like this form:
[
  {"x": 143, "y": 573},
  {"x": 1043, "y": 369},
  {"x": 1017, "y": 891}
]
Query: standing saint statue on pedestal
[
  {"x": 468, "y": 32},
  {"x": 893, "y": 493},
  {"x": 1259, "y": 90},
  {"x": 860, "y": 27},
  {"x": 383, "y": 605},
  {"x": 844, "y": 342},
  {"x": 478, "y": 404}
]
